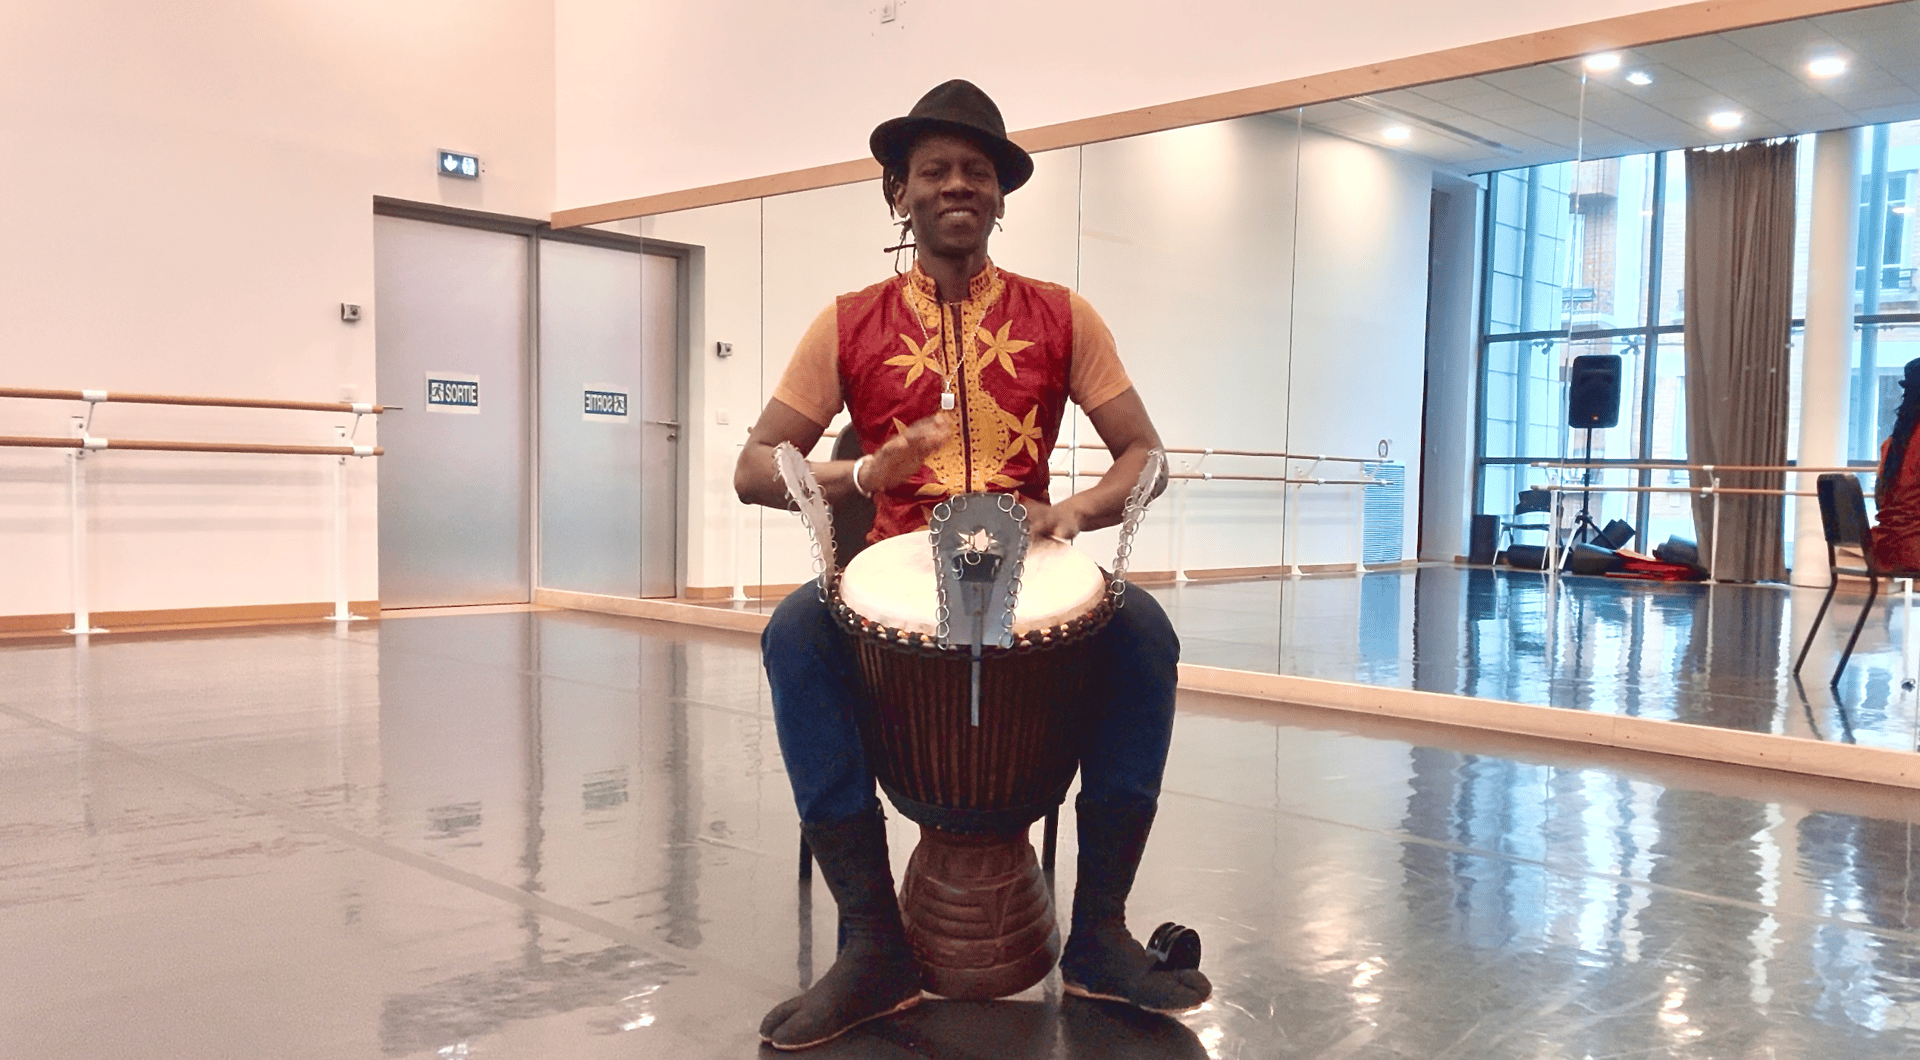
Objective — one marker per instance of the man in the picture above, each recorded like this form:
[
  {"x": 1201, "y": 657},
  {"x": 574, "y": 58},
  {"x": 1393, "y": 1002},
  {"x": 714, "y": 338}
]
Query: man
[{"x": 956, "y": 376}]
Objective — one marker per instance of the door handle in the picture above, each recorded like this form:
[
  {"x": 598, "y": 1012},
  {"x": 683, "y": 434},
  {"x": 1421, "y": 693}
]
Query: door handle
[{"x": 665, "y": 423}]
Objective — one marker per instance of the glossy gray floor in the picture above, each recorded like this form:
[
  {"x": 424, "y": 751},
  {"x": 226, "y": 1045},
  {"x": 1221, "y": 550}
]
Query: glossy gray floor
[
  {"x": 561, "y": 835},
  {"x": 1715, "y": 655}
]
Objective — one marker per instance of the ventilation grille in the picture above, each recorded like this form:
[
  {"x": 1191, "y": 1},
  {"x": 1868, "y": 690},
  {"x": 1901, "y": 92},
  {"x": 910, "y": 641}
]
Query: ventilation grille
[{"x": 1386, "y": 512}]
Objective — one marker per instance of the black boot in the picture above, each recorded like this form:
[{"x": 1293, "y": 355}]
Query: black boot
[
  {"x": 876, "y": 973},
  {"x": 1102, "y": 960}
]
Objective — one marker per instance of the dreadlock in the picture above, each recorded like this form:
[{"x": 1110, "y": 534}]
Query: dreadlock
[
  {"x": 893, "y": 179},
  {"x": 1903, "y": 425}
]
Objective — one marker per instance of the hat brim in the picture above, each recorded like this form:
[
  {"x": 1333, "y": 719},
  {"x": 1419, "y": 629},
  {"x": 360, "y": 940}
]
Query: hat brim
[{"x": 891, "y": 140}]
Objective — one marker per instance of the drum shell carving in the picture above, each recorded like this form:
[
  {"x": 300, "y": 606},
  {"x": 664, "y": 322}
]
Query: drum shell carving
[{"x": 1013, "y": 767}]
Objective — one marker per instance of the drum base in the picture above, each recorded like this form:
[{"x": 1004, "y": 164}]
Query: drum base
[{"x": 979, "y": 914}]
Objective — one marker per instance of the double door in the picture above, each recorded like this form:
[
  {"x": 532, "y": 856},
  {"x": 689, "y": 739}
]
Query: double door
[{"x": 540, "y": 391}]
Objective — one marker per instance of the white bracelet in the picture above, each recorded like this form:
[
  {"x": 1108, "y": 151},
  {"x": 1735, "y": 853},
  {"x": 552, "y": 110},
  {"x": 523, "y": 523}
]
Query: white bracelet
[{"x": 857, "y": 466}]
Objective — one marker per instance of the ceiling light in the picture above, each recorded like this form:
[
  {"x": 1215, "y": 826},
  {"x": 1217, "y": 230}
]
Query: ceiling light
[
  {"x": 1603, "y": 62},
  {"x": 1397, "y": 133},
  {"x": 1725, "y": 119},
  {"x": 1639, "y": 77},
  {"x": 1827, "y": 66}
]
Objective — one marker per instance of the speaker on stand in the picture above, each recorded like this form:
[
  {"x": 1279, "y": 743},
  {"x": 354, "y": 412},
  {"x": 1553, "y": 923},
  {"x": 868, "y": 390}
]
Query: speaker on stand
[{"x": 1593, "y": 403}]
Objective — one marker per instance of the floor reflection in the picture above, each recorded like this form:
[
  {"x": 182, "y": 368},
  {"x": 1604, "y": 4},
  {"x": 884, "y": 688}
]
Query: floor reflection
[
  {"x": 1715, "y": 655},
  {"x": 555, "y": 834}
]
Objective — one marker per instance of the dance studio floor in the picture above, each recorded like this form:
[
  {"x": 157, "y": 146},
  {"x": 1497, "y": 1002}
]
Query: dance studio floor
[{"x": 553, "y": 834}]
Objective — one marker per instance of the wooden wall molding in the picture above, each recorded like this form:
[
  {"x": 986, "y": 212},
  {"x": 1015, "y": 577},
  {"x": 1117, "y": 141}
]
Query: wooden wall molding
[
  {"x": 1529, "y": 49},
  {"x": 183, "y": 617}
]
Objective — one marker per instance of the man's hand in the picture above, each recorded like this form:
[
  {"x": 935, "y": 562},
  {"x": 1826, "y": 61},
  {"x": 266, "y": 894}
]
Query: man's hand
[
  {"x": 903, "y": 454},
  {"x": 1058, "y": 521}
]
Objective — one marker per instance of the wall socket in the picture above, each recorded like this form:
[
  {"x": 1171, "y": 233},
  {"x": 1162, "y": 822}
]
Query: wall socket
[
  {"x": 350, "y": 312},
  {"x": 723, "y": 349}
]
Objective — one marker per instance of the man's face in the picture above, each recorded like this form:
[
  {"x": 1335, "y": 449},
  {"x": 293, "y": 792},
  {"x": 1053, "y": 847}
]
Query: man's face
[{"x": 952, "y": 195}]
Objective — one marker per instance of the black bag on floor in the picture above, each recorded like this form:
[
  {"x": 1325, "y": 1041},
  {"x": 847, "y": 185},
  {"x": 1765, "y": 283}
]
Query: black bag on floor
[{"x": 1527, "y": 557}]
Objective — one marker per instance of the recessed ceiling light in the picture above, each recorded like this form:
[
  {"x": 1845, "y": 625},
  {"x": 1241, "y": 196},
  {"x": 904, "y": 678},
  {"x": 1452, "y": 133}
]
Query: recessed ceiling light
[
  {"x": 1827, "y": 66},
  {"x": 1603, "y": 62},
  {"x": 1396, "y": 133},
  {"x": 1639, "y": 77},
  {"x": 1725, "y": 119}
]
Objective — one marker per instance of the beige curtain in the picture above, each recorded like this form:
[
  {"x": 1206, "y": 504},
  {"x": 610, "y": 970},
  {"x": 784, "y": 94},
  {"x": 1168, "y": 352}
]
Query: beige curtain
[{"x": 1739, "y": 305}]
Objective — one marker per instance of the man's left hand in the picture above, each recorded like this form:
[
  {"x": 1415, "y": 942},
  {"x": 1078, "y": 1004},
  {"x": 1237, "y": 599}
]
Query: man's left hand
[{"x": 1058, "y": 521}]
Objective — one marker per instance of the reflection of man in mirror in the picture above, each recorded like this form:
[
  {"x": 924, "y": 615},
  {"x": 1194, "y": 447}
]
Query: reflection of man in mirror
[{"x": 956, "y": 376}]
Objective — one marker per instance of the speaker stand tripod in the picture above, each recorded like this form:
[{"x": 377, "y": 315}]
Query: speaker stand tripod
[{"x": 1585, "y": 530}]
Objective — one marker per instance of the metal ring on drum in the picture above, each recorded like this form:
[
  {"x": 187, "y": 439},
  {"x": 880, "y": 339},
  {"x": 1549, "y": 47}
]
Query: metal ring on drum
[{"x": 975, "y": 738}]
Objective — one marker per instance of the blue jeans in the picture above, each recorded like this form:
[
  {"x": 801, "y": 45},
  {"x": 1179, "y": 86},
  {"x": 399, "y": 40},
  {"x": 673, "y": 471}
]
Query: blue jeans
[{"x": 815, "y": 681}]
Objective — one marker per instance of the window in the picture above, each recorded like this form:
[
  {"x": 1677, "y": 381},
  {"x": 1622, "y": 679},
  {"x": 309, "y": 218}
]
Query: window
[{"x": 1589, "y": 257}]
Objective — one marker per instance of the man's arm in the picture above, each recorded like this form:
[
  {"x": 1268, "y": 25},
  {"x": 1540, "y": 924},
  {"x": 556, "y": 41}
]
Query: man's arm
[
  {"x": 1127, "y": 431},
  {"x": 757, "y": 482}
]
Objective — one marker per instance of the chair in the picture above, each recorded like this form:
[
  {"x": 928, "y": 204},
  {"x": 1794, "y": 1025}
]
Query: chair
[
  {"x": 1530, "y": 502},
  {"x": 1843, "y": 517},
  {"x": 852, "y": 518}
]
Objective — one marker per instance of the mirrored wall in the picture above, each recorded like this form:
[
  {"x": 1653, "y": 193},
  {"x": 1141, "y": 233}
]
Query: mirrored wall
[{"x": 1352, "y": 322}]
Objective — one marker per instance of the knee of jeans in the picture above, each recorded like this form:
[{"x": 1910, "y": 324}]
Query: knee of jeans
[
  {"x": 1144, "y": 624},
  {"x": 796, "y": 616}
]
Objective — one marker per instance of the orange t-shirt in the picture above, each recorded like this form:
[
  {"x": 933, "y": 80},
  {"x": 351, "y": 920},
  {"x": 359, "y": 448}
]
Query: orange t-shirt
[{"x": 811, "y": 384}]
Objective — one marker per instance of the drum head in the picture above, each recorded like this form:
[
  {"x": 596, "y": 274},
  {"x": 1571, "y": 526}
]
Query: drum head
[{"x": 892, "y": 583}]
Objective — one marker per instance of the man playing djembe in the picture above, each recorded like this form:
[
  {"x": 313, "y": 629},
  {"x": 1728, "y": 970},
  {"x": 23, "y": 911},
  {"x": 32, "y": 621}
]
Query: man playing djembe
[{"x": 956, "y": 376}]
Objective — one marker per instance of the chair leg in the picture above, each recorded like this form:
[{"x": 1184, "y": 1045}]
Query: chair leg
[
  {"x": 1817, "y": 616},
  {"x": 806, "y": 860},
  {"x": 1049, "y": 841},
  {"x": 1873, "y": 590},
  {"x": 1910, "y": 648}
]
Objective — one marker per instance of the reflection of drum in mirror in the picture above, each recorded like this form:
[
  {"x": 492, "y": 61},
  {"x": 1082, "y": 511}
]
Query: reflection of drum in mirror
[{"x": 977, "y": 908}]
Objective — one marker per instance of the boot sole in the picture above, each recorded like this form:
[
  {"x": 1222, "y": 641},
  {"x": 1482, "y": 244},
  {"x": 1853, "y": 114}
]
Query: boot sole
[
  {"x": 901, "y": 1007},
  {"x": 1080, "y": 991}
]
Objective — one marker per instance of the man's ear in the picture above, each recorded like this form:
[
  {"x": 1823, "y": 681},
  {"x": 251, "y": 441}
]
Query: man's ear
[{"x": 1000, "y": 208}]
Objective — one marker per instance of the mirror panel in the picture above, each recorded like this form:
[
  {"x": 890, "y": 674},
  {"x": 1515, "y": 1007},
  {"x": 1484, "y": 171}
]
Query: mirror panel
[{"x": 1310, "y": 282}]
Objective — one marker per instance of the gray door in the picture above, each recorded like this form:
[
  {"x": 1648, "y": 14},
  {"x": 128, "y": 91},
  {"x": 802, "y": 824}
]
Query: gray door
[
  {"x": 609, "y": 420},
  {"x": 450, "y": 318},
  {"x": 660, "y": 433}
]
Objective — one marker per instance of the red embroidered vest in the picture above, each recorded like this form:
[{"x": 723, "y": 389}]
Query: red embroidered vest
[{"x": 1009, "y": 378}]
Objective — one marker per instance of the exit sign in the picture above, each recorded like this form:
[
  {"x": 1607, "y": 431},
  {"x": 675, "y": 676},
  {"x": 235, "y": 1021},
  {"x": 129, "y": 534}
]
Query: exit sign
[{"x": 455, "y": 164}]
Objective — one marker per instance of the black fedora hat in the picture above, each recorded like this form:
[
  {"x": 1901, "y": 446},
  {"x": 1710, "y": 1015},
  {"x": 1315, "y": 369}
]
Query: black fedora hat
[{"x": 955, "y": 107}]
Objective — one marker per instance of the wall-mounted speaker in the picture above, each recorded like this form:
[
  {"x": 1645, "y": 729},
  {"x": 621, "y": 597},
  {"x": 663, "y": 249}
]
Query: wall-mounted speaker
[{"x": 1593, "y": 391}]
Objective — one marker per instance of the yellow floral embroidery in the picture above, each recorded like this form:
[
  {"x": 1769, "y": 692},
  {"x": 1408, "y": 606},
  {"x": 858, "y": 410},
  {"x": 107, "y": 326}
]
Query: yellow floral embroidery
[
  {"x": 1001, "y": 347},
  {"x": 920, "y": 360},
  {"x": 991, "y": 434},
  {"x": 1024, "y": 434}
]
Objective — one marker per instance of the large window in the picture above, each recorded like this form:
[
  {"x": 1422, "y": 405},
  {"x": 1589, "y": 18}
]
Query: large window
[{"x": 1590, "y": 257}]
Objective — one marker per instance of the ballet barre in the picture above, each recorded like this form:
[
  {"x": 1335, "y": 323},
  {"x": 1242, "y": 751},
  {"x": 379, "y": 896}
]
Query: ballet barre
[{"x": 84, "y": 442}]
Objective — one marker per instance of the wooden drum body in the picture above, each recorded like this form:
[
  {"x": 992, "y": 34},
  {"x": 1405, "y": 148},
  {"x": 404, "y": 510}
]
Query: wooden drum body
[{"x": 978, "y": 911}]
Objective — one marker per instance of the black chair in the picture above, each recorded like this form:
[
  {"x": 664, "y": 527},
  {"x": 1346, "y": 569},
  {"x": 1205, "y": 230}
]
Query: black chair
[
  {"x": 852, "y": 518},
  {"x": 1530, "y": 502},
  {"x": 1843, "y": 516}
]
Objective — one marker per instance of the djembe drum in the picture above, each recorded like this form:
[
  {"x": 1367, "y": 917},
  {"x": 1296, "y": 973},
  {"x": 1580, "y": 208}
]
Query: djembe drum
[
  {"x": 975, "y": 653},
  {"x": 978, "y": 911}
]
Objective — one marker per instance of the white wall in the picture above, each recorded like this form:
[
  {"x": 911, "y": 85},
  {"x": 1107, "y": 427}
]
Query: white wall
[
  {"x": 681, "y": 94},
  {"x": 187, "y": 197},
  {"x": 1360, "y": 316}
]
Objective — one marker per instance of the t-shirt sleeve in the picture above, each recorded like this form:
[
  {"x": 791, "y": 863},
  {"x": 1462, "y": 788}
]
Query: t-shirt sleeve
[
  {"x": 1097, "y": 376},
  {"x": 811, "y": 383}
]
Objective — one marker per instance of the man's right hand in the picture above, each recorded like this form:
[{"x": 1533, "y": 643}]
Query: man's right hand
[{"x": 903, "y": 454}]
